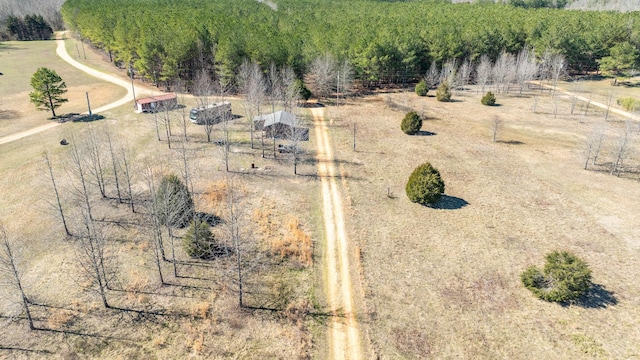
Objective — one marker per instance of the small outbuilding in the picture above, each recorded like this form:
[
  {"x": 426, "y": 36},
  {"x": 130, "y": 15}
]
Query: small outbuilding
[
  {"x": 281, "y": 125},
  {"x": 154, "y": 103}
]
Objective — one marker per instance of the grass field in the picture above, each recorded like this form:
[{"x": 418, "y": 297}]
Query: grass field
[
  {"x": 197, "y": 316},
  {"x": 18, "y": 61},
  {"x": 445, "y": 282}
]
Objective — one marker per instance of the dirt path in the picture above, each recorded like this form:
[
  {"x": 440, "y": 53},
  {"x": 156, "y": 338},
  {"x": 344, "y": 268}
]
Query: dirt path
[
  {"x": 595, "y": 103},
  {"x": 61, "y": 50},
  {"x": 344, "y": 333}
]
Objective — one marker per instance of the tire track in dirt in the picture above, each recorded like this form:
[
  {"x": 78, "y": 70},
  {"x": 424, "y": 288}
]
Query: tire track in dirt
[{"x": 344, "y": 333}]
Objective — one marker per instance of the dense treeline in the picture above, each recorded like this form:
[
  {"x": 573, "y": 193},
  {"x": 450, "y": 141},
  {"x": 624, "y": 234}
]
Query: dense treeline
[
  {"x": 48, "y": 9},
  {"x": 32, "y": 27},
  {"x": 384, "y": 41}
]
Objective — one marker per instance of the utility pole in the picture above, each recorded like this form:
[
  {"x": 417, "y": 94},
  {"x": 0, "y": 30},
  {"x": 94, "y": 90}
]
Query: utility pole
[
  {"x": 83, "y": 53},
  {"x": 338, "y": 90},
  {"x": 89, "y": 105},
  {"x": 354, "y": 136},
  {"x": 133, "y": 88}
]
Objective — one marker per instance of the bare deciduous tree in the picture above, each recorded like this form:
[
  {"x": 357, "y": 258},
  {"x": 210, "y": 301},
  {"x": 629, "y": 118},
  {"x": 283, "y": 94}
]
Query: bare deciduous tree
[
  {"x": 504, "y": 71},
  {"x": 464, "y": 73},
  {"x": 203, "y": 90},
  {"x": 114, "y": 164},
  {"x": 93, "y": 146},
  {"x": 322, "y": 75},
  {"x": 432, "y": 77},
  {"x": 448, "y": 73},
  {"x": 526, "y": 67},
  {"x": 595, "y": 142},
  {"x": 496, "y": 125},
  {"x": 233, "y": 222},
  {"x": 622, "y": 148},
  {"x": 92, "y": 259},
  {"x": 78, "y": 172},
  {"x": 158, "y": 247},
  {"x": 128, "y": 172},
  {"x": 275, "y": 87},
  {"x": 58, "y": 204},
  {"x": 291, "y": 94},
  {"x": 483, "y": 72},
  {"x": 254, "y": 87},
  {"x": 558, "y": 66},
  {"x": 344, "y": 81},
  {"x": 10, "y": 274},
  {"x": 165, "y": 111},
  {"x": 226, "y": 142}
]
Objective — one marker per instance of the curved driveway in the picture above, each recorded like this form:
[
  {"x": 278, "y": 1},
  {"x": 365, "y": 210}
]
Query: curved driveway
[{"x": 64, "y": 55}]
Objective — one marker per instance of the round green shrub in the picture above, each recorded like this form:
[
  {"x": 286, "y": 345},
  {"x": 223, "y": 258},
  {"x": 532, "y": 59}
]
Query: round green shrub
[
  {"x": 444, "y": 92},
  {"x": 198, "y": 241},
  {"x": 422, "y": 88},
  {"x": 425, "y": 186},
  {"x": 411, "y": 124},
  {"x": 565, "y": 277},
  {"x": 488, "y": 99}
]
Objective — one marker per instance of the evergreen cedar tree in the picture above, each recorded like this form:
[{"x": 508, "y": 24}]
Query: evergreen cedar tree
[
  {"x": 239, "y": 28},
  {"x": 425, "y": 186},
  {"x": 48, "y": 89},
  {"x": 422, "y": 88},
  {"x": 32, "y": 27},
  {"x": 411, "y": 123},
  {"x": 302, "y": 90},
  {"x": 175, "y": 205},
  {"x": 198, "y": 241},
  {"x": 565, "y": 277},
  {"x": 623, "y": 57},
  {"x": 488, "y": 99},
  {"x": 444, "y": 92}
]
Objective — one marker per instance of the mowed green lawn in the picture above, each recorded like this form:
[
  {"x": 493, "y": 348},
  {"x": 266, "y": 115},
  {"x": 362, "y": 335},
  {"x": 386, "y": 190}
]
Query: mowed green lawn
[{"x": 18, "y": 61}]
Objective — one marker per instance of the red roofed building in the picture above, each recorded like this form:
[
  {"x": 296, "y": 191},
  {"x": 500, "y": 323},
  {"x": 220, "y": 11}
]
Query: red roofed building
[{"x": 154, "y": 103}]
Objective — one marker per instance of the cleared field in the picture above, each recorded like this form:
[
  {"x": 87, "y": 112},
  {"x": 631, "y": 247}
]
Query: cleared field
[
  {"x": 18, "y": 61},
  {"x": 445, "y": 282}
]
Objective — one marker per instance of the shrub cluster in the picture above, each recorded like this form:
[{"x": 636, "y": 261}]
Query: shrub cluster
[
  {"x": 488, "y": 99},
  {"x": 198, "y": 241},
  {"x": 565, "y": 277},
  {"x": 422, "y": 88},
  {"x": 425, "y": 186},
  {"x": 629, "y": 103},
  {"x": 411, "y": 124},
  {"x": 444, "y": 92}
]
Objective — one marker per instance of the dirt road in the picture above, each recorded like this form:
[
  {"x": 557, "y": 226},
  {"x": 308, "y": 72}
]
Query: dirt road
[
  {"x": 344, "y": 333},
  {"x": 61, "y": 50},
  {"x": 595, "y": 103}
]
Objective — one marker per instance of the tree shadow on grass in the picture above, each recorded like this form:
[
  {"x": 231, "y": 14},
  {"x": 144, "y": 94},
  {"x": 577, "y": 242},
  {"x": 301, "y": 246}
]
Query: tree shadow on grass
[
  {"x": 447, "y": 202},
  {"x": 75, "y": 117},
  {"x": 35, "y": 351},
  {"x": 424, "y": 133},
  {"x": 510, "y": 142},
  {"x": 598, "y": 297}
]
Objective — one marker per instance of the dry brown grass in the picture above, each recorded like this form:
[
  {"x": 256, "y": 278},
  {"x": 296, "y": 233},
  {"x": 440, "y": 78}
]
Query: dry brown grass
[
  {"x": 59, "y": 318},
  {"x": 444, "y": 282},
  {"x": 285, "y": 238},
  {"x": 216, "y": 328}
]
